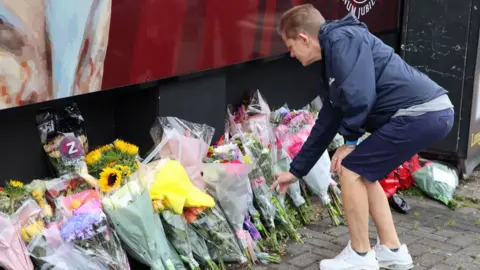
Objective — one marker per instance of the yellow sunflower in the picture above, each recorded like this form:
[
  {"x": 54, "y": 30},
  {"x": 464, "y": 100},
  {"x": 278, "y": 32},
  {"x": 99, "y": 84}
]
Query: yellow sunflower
[
  {"x": 126, "y": 147},
  {"x": 110, "y": 178},
  {"x": 124, "y": 169},
  {"x": 93, "y": 156},
  {"x": 104, "y": 148},
  {"x": 16, "y": 183}
]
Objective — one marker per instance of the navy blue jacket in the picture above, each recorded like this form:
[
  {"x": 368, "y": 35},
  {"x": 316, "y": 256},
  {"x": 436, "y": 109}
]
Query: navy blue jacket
[{"x": 364, "y": 85}]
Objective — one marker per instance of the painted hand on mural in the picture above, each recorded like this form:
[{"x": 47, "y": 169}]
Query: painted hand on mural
[{"x": 51, "y": 49}]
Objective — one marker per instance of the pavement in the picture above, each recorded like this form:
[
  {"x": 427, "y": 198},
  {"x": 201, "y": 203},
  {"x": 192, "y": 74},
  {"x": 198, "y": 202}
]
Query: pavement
[{"x": 437, "y": 237}]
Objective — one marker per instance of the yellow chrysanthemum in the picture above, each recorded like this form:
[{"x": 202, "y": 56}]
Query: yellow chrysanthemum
[
  {"x": 126, "y": 147},
  {"x": 16, "y": 183},
  {"x": 247, "y": 159},
  {"x": 110, "y": 178},
  {"x": 37, "y": 194},
  {"x": 93, "y": 157}
]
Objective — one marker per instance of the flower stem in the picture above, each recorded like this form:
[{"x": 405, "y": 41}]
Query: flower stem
[
  {"x": 272, "y": 240},
  {"x": 212, "y": 266},
  {"x": 333, "y": 215},
  {"x": 290, "y": 229},
  {"x": 303, "y": 211}
]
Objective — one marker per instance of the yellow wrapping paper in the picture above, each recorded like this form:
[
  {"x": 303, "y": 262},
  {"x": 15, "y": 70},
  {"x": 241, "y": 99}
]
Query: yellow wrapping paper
[{"x": 173, "y": 186}]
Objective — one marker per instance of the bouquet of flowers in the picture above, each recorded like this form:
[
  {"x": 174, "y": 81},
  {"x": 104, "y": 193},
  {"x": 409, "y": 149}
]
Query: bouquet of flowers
[
  {"x": 15, "y": 201},
  {"x": 230, "y": 180},
  {"x": 257, "y": 120},
  {"x": 176, "y": 231},
  {"x": 64, "y": 139},
  {"x": 172, "y": 190},
  {"x": 264, "y": 176},
  {"x": 112, "y": 164},
  {"x": 267, "y": 159},
  {"x": 282, "y": 164},
  {"x": 85, "y": 225},
  {"x": 184, "y": 141},
  {"x": 127, "y": 203},
  {"x": 172, "y": 193},
  {"x": 291, "y": 133},
  {"x": 200, "y": 249},
  {"x": 50, "y": 251},
  {"x": 64, "y": 185},
  {"x": 262, "y": 197},
  {"x": 29, "y": 219},
  {"x": 293, "y": 130},
  {"x": 12, "y": 196},
  {"x": 177, "y": 261},
  {"x": 224, "y": 152},
  {"x": 14, "y": 252},
  {"x": 37, "y": 189},
  {"x": 319, "y": 180},
  {"x": 213, "y": 226}
]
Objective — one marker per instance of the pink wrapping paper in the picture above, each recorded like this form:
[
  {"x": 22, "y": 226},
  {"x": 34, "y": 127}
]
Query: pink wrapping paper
[
  {"x": 13, "y": 251},
  {"x": 81, "y": 198},
  {"x": 190, "y": 152}
]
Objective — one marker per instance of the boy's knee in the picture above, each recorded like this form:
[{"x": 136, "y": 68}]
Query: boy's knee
[{"x": 348, "y": 177}]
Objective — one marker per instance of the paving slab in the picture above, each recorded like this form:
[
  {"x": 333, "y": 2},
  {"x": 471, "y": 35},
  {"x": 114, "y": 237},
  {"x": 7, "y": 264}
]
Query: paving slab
[{"x": 438, "y": 238}]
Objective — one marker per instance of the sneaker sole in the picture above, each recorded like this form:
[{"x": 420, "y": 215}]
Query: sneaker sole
[
  {"x": 355, "y": 268},
  {"x": 395, "y": 266}
]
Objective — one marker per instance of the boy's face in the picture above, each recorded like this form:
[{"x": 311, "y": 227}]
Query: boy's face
[{"x": 302, "y": 48}]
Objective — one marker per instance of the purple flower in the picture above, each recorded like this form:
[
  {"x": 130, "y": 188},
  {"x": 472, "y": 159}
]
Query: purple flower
[
  {"x": 83, "y": 226},
  {"x": 248, "y": 225}
]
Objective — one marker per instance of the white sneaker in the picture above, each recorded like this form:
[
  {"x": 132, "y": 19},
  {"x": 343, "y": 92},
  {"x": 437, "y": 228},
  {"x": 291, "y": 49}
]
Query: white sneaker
[
  {"x": 398, "y": 260},
  {"x": 348, "y": 259}
]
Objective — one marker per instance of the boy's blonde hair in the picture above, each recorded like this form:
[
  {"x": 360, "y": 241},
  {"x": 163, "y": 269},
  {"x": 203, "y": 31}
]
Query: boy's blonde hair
[{"x": 303, "y": 18}]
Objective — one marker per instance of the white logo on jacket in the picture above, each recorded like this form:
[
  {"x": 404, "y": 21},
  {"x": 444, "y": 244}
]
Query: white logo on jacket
[
  {"x": 359, "y": 8},
  {"x": 330, "y": 81}
]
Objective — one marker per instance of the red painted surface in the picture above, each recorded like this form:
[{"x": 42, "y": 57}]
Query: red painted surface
[{"x": 153, "y": 39}]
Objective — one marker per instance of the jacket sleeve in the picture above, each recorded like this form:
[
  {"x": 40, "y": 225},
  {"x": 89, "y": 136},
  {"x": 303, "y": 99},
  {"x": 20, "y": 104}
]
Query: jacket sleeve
[
  {"x": 353, "y": 68},
  {"x": 325, "y": 128}
]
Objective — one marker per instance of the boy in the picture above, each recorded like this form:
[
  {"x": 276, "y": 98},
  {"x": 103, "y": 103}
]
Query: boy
[{"x": 367, "y": 87}]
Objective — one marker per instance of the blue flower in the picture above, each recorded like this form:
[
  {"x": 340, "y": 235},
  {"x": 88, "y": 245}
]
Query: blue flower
[{"x": 83, "y": 226}]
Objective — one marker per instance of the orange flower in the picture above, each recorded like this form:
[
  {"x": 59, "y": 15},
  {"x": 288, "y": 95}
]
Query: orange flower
[{"x": 191, "y": 213}]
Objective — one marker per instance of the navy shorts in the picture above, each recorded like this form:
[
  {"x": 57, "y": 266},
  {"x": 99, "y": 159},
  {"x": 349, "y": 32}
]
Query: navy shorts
[{"x": 396, "y": 142}]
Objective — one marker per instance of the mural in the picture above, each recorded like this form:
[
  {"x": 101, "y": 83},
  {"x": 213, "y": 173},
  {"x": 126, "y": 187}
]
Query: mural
[
  {"x": 51, "y": 49},
  {"x": 150, "y": 40}
]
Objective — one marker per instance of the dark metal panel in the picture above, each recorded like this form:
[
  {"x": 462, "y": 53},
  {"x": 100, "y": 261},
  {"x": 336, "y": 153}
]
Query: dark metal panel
[
  {"x": 199, "y": 100},
  {"x": 280, "y": 81},
  {"x": 195, "y": 98},
  {"x": 435, "y": 42}
]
